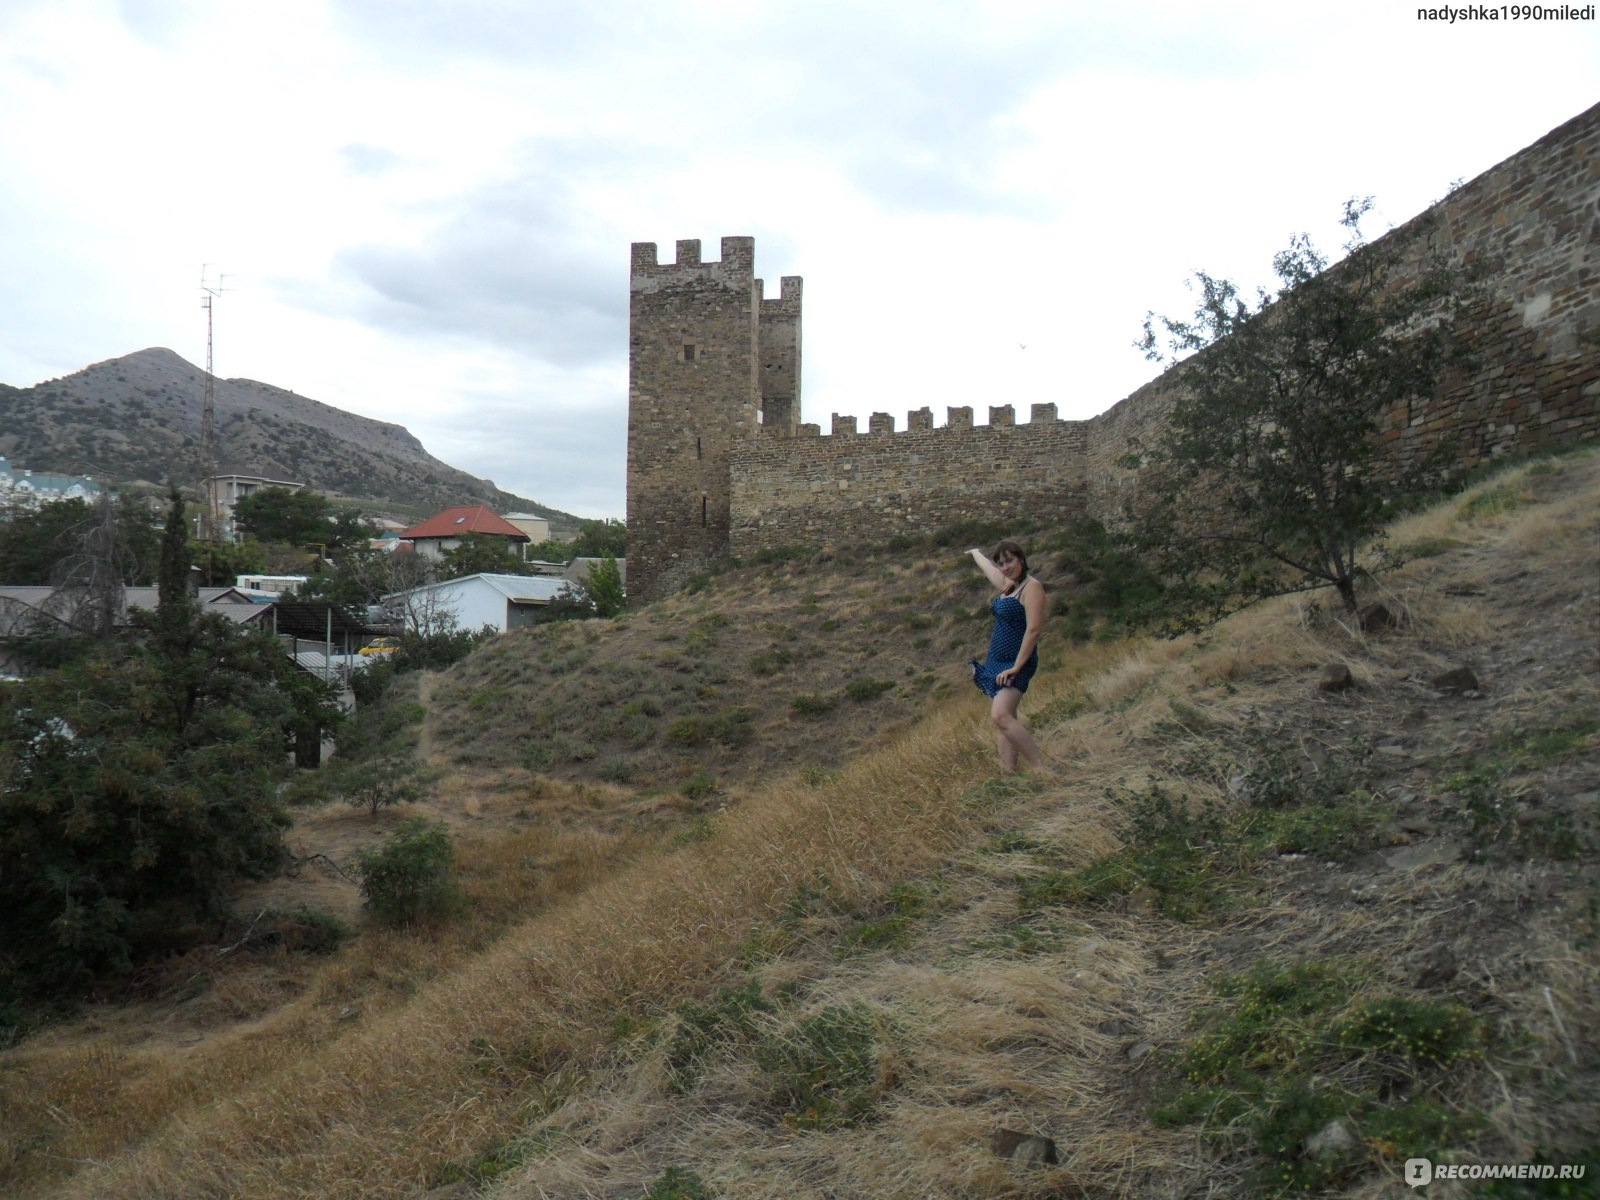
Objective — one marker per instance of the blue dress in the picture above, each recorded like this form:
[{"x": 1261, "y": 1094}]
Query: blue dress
[{"x": 1010, "y": 623}]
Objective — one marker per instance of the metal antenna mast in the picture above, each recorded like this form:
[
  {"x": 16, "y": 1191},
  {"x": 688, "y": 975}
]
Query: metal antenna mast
[{"x": 208, "y": 416}]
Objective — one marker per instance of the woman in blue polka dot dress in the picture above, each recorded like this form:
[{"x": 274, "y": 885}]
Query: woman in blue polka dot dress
[{"x": 1013, "y": 649}]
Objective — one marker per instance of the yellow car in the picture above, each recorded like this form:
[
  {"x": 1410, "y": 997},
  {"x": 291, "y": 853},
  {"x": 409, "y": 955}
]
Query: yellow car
[{"x": 382, "y": 645}]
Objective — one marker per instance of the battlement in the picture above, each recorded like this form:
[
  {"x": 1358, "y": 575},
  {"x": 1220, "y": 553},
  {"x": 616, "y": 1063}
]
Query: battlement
[
  {"x": 738, "y": 257},
  {"x": 787, "y": 302},
  {"x": 958, "y": 418}
]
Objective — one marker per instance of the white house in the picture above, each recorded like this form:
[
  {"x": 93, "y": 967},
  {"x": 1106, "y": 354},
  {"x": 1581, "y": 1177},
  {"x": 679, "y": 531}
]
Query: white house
[{"x": 500, "y": 601}]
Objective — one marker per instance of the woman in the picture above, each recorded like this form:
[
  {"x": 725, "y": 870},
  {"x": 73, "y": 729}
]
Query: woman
[{"x": 1013, "y": 649}]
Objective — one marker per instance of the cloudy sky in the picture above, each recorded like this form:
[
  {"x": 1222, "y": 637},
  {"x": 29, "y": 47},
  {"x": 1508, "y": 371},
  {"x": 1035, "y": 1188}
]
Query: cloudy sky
[{"x": 421, "y": 210}]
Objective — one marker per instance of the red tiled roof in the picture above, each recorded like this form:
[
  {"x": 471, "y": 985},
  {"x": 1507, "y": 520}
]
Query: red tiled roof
[{"x": 464, "y": 519}]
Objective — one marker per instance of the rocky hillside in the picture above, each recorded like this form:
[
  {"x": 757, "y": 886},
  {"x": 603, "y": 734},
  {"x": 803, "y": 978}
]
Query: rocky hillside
[{"x": 138, "y": 419}]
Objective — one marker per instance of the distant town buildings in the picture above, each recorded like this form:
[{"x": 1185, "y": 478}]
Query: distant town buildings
[{"x": 29, "y": 490}]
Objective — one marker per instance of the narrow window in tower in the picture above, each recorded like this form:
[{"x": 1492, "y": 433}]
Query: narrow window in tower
[
  {"x": 702, "y": 510},
  {"x": 699, "y": 451},
  {"x": 688, "y": 351}
]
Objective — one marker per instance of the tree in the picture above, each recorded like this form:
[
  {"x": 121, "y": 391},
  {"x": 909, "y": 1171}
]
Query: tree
[
  {"x": 32, "y": 544},
  {"x": 221, "y": 563},
  {"x": 1268, "y": 477},
  {"x": 603, "y": 587},
  {"x": 481, "y": 552},
  {"x": 596, "y": 539},
  {"x": 382, "y": 781},
  {"x": 359, "y": 576},
  {"x": 277, "y": 514},
  {"x": 298, "y": 517},
  {"x": 90, "y": 579},
  {"x": 138, "y": 783}
]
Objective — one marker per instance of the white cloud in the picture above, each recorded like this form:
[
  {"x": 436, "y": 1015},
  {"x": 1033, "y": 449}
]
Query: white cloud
[{"x": 424, "y": 210}]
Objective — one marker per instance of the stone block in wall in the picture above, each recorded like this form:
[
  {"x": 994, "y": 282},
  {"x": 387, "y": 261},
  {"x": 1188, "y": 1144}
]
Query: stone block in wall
[
  {"x": 810, "y": 429},
  {"x": 1002, "y": 415},
  {"x": 843, "y": 425},
  {"x": 1043, "y": 412},
  {"x": 921, "y": 418},
  {"x": 880, "y": 423},
  {"x": 959, "y": 418}
]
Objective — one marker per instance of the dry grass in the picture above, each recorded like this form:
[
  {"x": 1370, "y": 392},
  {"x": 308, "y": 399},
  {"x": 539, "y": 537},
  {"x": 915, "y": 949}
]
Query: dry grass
[{"x": 543, "y": 1025}]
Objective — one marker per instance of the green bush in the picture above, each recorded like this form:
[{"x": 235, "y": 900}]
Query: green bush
[
  {"x": 408, "y": 879},
  {"x": 698, "y": 786},
  {"x": 770, "y": 662},
  {"x": 1178, "y": 850},
  {"x": 864, "y": 690},
  {"x": 381, "y": 782},
  {"x": 809, "y": 705},
  {"x": 731, "y": 727}
]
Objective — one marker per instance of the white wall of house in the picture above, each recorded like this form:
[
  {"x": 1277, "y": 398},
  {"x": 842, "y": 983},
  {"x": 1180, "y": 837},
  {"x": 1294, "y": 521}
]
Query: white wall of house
[{"x": 479, "y": 600}]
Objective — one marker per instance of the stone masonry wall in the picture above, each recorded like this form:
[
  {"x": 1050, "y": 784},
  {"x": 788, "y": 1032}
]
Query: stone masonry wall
[
  {"x": 855, "y": 487},
  {"x": 780, "y": 358},
  {"x": 1533, "y": 222}
]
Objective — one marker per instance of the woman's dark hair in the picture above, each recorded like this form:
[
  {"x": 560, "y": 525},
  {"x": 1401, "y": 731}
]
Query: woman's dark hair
[{"x": 1013, "y": 549}]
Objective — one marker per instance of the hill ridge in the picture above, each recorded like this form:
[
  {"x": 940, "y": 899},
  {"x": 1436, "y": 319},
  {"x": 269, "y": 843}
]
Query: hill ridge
[{"x": 136, "y": 419}]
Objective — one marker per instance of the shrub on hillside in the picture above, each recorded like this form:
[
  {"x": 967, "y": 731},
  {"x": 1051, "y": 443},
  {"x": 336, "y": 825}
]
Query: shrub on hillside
[{"x": 408, "y": 878}]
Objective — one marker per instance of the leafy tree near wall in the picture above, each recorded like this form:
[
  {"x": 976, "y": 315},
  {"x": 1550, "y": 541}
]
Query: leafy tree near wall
[
  {"x": 594, "y": 539},
  {"x": 604, "y": 588},
  {"x": 598, "y": 539},
  {"x": 1267, "y": 477}
]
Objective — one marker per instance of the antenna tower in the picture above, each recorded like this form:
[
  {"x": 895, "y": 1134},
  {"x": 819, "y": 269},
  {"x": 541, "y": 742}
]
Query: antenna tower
[{"x": 212, "y": 518}]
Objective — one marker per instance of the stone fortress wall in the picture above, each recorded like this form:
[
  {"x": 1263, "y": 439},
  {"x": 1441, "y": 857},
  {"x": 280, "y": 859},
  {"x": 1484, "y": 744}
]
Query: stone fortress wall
[{"x": 1533, "y": 223}]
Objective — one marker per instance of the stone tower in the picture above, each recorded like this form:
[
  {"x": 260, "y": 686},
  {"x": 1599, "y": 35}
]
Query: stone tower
[{"x": 706, "y": 355}]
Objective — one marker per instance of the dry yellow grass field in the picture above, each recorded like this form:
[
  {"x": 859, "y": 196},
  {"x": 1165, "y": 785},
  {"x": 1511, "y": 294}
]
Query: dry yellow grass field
[{"x": 581, "y": 1032}]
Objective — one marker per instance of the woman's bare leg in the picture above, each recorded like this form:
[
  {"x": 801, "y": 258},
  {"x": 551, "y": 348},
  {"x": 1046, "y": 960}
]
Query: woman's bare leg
[{"x": 1012, "y": 738}]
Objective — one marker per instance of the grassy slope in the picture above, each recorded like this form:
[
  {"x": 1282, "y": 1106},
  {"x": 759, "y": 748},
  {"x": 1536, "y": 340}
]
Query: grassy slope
[{"x": 546, "y": 1054}]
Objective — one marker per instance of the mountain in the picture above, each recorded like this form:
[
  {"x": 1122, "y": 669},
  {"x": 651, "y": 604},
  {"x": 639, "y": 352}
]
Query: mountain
[{"x": 137, "y": 419}]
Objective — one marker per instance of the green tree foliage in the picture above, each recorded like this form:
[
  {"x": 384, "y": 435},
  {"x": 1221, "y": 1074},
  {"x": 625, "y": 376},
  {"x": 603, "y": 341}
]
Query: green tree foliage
[
  {"x": 221, "y": 563},
  {"x": 1267, "y": 478},
  {"x": 360, "y": 576},
  {"x": 603, "y": 587},
  {"x": 32, "y": 544},
  {"x": 598, "y": 539},
  {"x": 408, "y": 878},
  {"x": 136, "y": 785},
  {"x": 298, "y": 517},
  {"x": 481, "y": 552},
  {"x": 594, "y": 539},
  {"x": 382, "y": 782}
]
